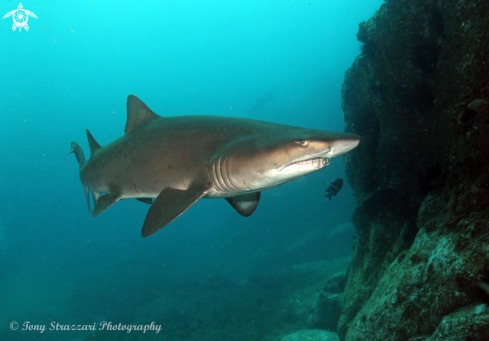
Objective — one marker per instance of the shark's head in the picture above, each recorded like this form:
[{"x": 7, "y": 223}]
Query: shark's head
[{"x": 267, "y": 160}]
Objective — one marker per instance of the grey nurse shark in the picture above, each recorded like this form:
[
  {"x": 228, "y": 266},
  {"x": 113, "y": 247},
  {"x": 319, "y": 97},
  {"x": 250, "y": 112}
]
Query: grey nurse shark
[{"x": 179, "y": 160}]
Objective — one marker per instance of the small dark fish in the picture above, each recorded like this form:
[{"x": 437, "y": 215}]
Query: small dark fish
[{"x": 334, "y": 188}]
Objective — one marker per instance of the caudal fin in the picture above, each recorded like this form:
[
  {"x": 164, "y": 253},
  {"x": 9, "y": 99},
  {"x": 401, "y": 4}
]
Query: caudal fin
[{"x": 80, "y": 157}]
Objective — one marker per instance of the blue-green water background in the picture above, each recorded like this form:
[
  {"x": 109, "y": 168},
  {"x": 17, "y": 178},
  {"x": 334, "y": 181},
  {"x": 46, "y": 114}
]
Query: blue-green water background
[{"x": 74, "y": 69}]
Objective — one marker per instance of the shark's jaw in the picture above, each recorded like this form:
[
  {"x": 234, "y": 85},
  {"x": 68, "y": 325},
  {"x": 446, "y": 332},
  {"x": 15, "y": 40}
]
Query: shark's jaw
[
  {"x": 295, "y": 170},
  {"x": 308, "y": 165}
]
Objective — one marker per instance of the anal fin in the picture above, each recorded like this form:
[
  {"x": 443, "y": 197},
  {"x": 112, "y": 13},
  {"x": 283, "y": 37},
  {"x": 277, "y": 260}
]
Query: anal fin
[
  {"x": 104, "y": 202},
  {"x": 169, "y": 205},
  {"x": 245, "y": 204}
]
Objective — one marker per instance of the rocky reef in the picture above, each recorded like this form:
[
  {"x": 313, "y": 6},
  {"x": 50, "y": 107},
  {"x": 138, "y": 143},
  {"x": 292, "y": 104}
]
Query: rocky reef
[
  {"x": 311, "y": 335},
  {"x": 418, "y": 94},
  {"x": 330, "y": 303},
  {"x": 279, "y": 305}
]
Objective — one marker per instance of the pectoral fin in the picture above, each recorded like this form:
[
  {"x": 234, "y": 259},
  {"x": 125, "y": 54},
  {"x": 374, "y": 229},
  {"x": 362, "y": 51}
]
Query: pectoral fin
[
  {"x": 104, "y": 202},
  {"x": 148, "y": 201},
  {"x": 169, "y": 205},
  {"x": 245, "y": 204}
]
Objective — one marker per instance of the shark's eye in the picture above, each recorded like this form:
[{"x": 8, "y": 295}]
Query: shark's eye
[{"x": 303, "y": 143}]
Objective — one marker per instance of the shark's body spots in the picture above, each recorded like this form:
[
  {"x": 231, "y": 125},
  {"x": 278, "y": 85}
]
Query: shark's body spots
[{"x": 179, "y": 160}]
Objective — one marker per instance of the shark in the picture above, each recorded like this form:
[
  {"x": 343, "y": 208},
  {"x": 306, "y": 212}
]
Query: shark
[{"x": 172, "y": 162}]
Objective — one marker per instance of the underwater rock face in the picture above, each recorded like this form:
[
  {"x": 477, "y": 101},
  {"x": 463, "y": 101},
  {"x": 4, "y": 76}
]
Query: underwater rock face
[
  {"x": 330, "y": 303},
  {"x": 311, "y": 335},
  {"x": 418, "y": 95},
  {"x": 328, "y": 310},
  {"x": 336, "y": 284}
]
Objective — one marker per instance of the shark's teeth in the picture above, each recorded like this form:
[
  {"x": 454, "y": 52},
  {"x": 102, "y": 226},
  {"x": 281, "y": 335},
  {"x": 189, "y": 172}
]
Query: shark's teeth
[{"x": 318, "y": 162}]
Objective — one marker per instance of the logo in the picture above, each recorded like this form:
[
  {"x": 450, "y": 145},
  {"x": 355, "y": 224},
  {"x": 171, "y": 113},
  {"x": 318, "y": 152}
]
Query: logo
[{"x": 20, "y": 17}]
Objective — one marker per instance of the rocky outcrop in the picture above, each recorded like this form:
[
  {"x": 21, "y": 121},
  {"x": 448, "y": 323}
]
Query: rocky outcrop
[
  {"x": 270, "y": 307},
  {"x": 330, "y": 303},
  {"x": 311, "y": 335},
  {"x": 419, "y": 96}
]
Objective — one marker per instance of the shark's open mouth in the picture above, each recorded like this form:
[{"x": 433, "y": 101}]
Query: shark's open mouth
[{"x": 317, "y": 162}]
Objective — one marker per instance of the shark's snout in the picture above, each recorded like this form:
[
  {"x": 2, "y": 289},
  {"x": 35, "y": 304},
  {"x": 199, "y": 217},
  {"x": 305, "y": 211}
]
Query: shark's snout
[
  {"x": 342, "y": 146},
  {"x": 316, "y": 153}
]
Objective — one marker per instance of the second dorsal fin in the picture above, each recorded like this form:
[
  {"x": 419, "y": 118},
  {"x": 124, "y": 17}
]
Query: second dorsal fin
[
  {"x": 92, "y": 143},
  {"x": 137, "y": 113}
]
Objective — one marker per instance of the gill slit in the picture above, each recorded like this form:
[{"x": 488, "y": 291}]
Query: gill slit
[
  {"x": 220, "y": 180},
  {"x": 226, "y": 177},
  {"x": 213, "y": 167}
]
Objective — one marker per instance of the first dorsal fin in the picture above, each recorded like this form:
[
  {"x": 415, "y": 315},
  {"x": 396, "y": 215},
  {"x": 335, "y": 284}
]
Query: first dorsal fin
[
  {"x": 137, "y": 113},
  {"x": 92, "y": 143}
]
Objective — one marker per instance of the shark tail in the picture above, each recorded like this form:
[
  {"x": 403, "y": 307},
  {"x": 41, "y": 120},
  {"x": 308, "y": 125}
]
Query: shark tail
[{"x": 80, "y": 157}]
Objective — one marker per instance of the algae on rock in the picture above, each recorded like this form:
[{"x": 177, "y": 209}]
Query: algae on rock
[{"x": 418, "y": 96}]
